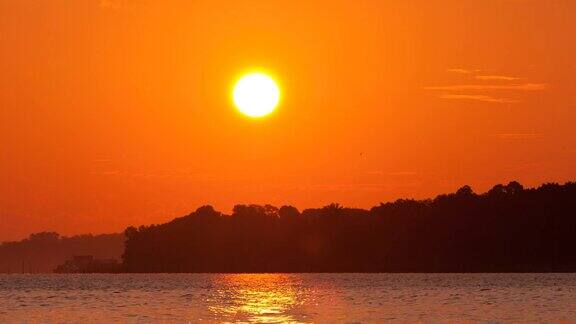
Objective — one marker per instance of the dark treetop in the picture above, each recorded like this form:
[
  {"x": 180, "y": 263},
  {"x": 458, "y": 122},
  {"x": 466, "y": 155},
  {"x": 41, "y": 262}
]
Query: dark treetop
[{"x": 508, "y": 228}]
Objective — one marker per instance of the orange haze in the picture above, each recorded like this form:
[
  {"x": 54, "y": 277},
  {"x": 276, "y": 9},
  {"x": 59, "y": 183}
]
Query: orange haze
[{"x": 118, "y": 112}]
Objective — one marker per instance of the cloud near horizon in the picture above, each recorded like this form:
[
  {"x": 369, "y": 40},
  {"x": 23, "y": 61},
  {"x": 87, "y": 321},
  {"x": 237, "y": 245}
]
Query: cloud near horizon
[
  {"x": 462, "y": 91},
  {"x": 483, "y": 98},
  {"x": 460, "y": 71},
  {"x": 496, "y": 78},
  {"x": 488, "y": 87}
]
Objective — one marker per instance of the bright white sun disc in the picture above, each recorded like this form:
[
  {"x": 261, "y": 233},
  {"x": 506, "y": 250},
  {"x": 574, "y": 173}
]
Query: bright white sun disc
[{"x": 256, "y": 95}]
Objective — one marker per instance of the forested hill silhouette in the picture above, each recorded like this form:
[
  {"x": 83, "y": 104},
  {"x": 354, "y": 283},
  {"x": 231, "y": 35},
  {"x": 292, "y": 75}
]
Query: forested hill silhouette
[{"x": 508, "y": 228}]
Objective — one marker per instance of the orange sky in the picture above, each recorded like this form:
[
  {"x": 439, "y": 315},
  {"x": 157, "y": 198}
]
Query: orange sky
[{"x": 118, "y": 112}]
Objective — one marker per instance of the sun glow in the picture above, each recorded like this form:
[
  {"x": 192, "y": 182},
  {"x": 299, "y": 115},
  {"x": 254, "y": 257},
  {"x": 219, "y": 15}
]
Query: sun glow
[{"x": 256, "y": 95}]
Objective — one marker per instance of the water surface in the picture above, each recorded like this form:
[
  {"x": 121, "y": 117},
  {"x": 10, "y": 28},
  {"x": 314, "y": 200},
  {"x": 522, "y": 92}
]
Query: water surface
[{"x": 271, "y": 298}]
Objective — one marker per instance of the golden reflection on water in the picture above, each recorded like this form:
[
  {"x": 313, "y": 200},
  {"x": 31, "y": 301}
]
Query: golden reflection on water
[
  {"x": 256, "y": 298},
  {"x": 322, "y": 298}
]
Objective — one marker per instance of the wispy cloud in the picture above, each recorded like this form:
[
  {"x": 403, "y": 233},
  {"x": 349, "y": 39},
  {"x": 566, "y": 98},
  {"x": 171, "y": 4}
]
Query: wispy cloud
[
  {"x": 496, "y": 78},
  {"x": 484, "y": 91},
  {"x": 460, "y": 71},
  {"x": 489, "y": 87},
  {"x": 483, "y": 98}
]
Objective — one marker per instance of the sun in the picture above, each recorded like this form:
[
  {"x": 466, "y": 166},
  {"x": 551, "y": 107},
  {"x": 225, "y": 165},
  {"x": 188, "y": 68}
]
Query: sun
[{"x": 256, "y": 94}]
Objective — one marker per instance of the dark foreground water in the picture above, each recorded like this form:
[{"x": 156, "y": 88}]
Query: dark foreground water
[{"x": 269, "y": 298}]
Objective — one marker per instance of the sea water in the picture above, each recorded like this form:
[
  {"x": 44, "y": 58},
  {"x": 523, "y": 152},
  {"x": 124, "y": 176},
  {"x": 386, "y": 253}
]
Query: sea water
[{"x": 273, "y": 298}]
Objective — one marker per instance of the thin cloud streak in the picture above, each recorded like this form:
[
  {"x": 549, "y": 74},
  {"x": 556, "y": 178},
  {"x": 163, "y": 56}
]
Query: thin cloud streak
[
  {"x": 496, "y": 78},
  {"x": 460, "y": 71},
  {"x": 489, "y": 87},
  {"x": 462, "y": 91},
  {"x": 483, "y": 98}
]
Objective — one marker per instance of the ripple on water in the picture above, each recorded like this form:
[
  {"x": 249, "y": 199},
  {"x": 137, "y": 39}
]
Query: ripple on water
[{"x": 288, "y": 297}]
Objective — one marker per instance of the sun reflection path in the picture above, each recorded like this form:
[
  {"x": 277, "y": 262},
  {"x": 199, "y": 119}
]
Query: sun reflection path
[{"x": 257, "y": 298}]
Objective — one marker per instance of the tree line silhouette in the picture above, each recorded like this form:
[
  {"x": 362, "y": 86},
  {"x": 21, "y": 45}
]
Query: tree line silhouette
[{"x": 507, "y": 229}]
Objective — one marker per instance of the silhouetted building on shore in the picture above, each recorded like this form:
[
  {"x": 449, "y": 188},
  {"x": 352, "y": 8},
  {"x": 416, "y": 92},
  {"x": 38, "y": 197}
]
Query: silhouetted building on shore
[
  {"x": 87, "y": 264},
  {"x": 42, "y": 252}
]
